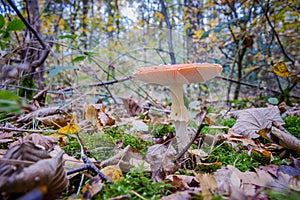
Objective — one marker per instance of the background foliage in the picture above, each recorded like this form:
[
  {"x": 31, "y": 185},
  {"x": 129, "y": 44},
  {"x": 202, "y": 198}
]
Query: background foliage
[{"x": 92, "y": 42}]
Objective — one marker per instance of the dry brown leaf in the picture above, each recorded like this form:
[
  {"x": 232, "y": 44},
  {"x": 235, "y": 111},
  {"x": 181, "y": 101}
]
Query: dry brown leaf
[
  {"x": 25, "y": 152},
  {"x": 236, "y": 139},
  {"x": 251, "y": 121},
  {"x": 47, "y": 142},
  {"x": 208, "y": 185},
  {"x": 183, "y": 181},
  {"x": 161, "y": 158},
  {"x": 57, "y": 120},
  {"x": 284, "y": 139},
  {"x": 182, "y": 195},
  {"x": 94, "y": 186},
  {"x": 231, "y": 181},
  {"x": 42, "y": 112},
  {"x": 97, "y": 115},
  {"x": 132, "y": 107},
  {"x": 47, "y": 171}
]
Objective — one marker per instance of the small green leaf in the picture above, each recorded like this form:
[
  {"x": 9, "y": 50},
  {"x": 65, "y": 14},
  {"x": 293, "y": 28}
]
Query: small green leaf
[
  {"x": 6, "y": 36},
  {"x": 205, "y": 34},
  {"x": 69, "y": 36},
  {"x": 2, "y": 21},
  {"x": 78, "y": 59},
  {"x": 58, "y": 69},
  {"x": 9, "y": 102},
  {"x": 15, "y": 25},
  {"x": 273, "y": 101}
]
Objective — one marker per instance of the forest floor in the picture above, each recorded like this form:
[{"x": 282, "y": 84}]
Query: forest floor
[{"x": 130, "y": 152}]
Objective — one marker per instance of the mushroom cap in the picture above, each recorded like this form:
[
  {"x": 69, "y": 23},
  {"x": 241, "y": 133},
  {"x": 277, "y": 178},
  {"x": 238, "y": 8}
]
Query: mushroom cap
[{"x": 178, "y": 73}]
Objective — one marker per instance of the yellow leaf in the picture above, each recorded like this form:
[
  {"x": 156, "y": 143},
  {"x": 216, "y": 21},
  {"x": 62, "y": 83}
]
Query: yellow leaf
[
  {"x": 135, "y": 28},
  {"x": 61, "y": 24},
  {"x": 110, "y": 28},
  {"x": 281, "y": 69},
  {"x": 113, "y": 172},
  {"x": 160, "y": 15},
  {"x": 71, "y": 128},
  {"x": 198, "y": 34}
]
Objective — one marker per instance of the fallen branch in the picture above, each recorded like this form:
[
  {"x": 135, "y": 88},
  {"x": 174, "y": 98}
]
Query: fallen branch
[
  {"x": 26, "y": 130},
  {"x": 253, "y": 85},
  {"x": 14, "y": 7}
]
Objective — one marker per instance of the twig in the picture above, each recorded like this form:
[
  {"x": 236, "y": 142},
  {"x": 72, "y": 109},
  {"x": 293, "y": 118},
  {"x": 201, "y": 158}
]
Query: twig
[
  {"x": 170, "y": 44},
  {"x": 11, "y": 3},
  {"x": 26, "y": 130},
  {"x": 277, "y": 36},
  {"x": 91, "y": 166},
  {"x": 88, "y": 165},
  {"x": 99, "y": 84},
  {"x": 252, "y": 85},
  {"x": 138, "y": 195}
]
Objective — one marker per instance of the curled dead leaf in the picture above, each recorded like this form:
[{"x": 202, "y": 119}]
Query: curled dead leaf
[
  {"x": 56, "y": 120},
  {"x": 132, "y": 107},
  {"x": 47, "y": 142},
  {"x": 97, "y": 115},
  {"x": 43, "y": 171},
  {"x": 113, "y": 172},
  {"x": 42, "y": 112},
  {"x": 250, "y": 121},
  {"x": 94, "y": 186}
]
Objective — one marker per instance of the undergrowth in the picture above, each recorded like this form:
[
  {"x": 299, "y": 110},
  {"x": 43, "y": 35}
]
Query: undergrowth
[
  {"x": 292, "y": 125},
  {"x": 135, "y": 181}
]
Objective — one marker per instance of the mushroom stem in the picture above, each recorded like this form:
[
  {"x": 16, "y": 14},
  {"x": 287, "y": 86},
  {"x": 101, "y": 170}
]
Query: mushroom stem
[
  {"x": 178, "y": 110},
  {"x": 182, "y": 136},
  {"x": 180, "y": 115}
]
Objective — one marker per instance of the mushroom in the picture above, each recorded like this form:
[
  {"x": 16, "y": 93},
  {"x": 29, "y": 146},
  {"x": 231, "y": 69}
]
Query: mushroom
[{"x": 175, "y": 76}]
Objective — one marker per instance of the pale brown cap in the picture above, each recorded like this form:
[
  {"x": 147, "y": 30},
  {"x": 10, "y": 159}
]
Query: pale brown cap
[{"x": 179, "y": 73}]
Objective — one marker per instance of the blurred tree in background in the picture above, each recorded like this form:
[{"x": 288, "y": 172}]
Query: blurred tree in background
[{"x": 67, "y": 45}]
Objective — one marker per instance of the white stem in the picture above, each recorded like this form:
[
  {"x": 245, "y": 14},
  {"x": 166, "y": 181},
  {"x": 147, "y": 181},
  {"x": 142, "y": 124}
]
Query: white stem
[
  {"x": 182, "y": 136},
  {"x": 180, "y": 116},
  {"x": 178, "y": 110}
]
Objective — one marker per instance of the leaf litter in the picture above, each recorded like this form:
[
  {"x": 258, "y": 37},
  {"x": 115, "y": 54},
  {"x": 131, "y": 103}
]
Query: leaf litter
[{"x": 27, "y": 157}]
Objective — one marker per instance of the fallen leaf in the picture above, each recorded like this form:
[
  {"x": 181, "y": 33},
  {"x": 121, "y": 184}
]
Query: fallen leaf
[
  {"x": 47, "y": 142},
  {"x": 93, "y": 187},
  {"x": 236, "y": 139},
  {"x": 132, "y": 107},
  {"x": 113, "y": 172},
  {"x": 43, "y": 171},
  {"x": 250, "y": 184},
  {"x": 208, "y": 185},
  {"x": 281, "y": 69},
  {"x": 42, "y": 112},
  {"x": 183, "y": 195},
  {"x": 182, "y": 182},
  {"x": 71, "y": 128},
  {"x": 250, "y": 121},
  {"x": 97, "y": 115},
  {"x": 284, "y": 139},
  {"x": 56, "y": 120},
  {"x": 160, "y": 155},
  {"x": 261, "y": 155},
  {"x": 138, "y": 125}
]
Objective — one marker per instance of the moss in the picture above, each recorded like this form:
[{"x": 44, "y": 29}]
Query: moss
[
  {"x": 27, "y": 82},
  {"x": 160, "y": 130},
  {"x": 292, "y": 125},
  {"x": 138, "y": 181}
]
